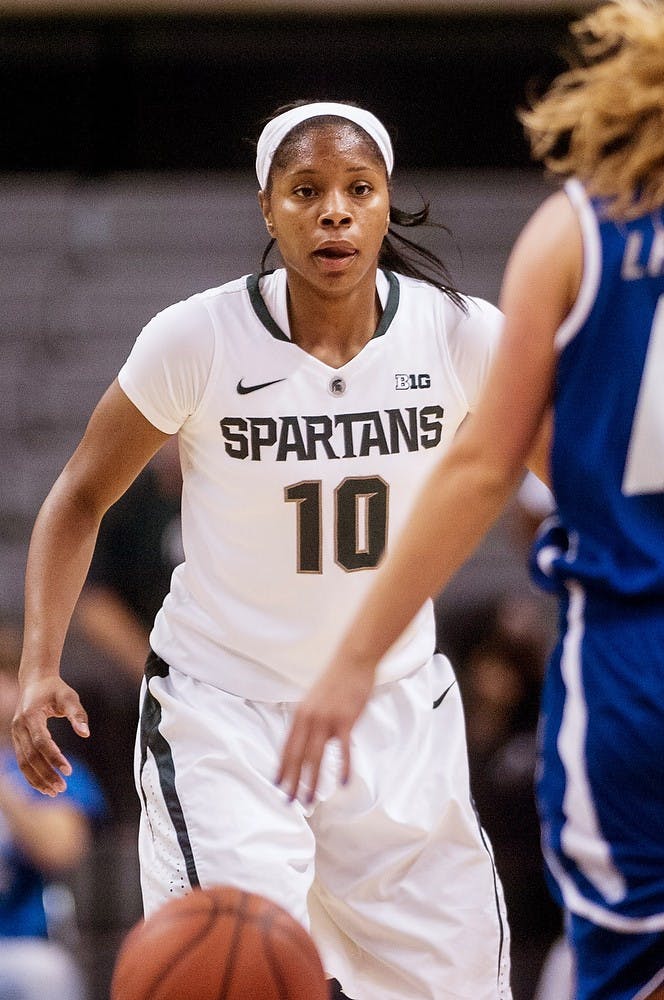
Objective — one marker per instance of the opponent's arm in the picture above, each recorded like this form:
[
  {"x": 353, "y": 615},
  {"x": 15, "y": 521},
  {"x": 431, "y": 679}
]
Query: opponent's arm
[
  {"x": 117, "y": 444},
  {"x": 466, "y": 492}
]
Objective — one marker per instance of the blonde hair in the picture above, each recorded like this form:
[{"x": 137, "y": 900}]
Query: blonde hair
[{"x": 603, "y": 119}]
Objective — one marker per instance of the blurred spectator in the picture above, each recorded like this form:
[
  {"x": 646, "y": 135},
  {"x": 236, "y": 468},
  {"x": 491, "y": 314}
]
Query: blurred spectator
[
  {"x": 41, "y": 841},
  {"x": 138, "y": 546}
]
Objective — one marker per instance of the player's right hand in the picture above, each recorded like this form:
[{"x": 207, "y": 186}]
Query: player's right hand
[{"x": 38, "y": 755}]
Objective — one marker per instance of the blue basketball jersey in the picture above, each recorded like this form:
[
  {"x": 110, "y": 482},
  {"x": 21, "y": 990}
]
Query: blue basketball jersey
[
  {"x": 600, "y": 782},
  {"x": 608, "y": 446}
]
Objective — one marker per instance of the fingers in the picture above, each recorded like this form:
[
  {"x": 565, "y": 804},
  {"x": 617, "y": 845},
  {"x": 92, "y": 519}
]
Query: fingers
[
  {"x": 302, "y": 757},
  {"x": 313, "y": 760},
  {"x": 306, "y": 769},
  {"x": 293, "y": 758},
  {"x": 38, "y": 755},
  {"x": 79, "y": 722},
  {"x": 345, "y": 761},
  {"x": 40, "y": 759},
  {"x": 67, "y": 705}
]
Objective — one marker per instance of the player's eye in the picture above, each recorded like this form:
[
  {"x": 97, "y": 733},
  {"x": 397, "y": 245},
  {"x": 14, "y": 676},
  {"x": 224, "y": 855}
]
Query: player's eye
[
  {"x": 361, "y": 187},
  {"x": 304, "y": 191}
]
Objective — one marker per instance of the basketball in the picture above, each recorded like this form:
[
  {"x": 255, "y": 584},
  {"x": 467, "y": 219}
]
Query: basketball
[{"x": 219, "y": 942}]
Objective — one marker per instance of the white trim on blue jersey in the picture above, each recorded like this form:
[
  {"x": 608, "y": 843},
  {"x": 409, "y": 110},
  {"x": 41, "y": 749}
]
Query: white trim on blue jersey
[{"x": 592, "y": 266}]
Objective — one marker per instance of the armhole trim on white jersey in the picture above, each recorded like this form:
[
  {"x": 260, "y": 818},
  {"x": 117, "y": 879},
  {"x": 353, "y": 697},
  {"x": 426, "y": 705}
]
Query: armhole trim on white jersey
[{"x": 592, "y": 265}]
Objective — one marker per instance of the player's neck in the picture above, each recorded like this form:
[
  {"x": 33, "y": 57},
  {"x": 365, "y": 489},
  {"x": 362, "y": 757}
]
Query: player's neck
[{"x": 334, "y": 329}]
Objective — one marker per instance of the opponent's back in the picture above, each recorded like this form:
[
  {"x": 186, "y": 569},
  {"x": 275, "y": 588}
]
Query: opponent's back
[{"x": 608, "y": 449}]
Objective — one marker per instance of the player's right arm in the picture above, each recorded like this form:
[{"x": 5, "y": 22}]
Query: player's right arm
[{"x": 117, "y": 444}]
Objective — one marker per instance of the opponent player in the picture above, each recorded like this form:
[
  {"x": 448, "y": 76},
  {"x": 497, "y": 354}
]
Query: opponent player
[
  {"x": 310, "y": 404},
  {"x": 584, "y": 302}
]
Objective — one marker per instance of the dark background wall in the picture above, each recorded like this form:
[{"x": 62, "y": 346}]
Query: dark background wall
[{"x": 99, "y": 94}]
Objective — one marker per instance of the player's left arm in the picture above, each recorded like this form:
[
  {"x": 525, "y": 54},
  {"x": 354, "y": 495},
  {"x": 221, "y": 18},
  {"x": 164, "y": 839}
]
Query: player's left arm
[{"x": 466, "y": 492}]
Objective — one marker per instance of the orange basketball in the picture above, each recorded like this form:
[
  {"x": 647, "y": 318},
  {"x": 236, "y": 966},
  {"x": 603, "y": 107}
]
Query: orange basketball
[{"x": 219, "y": 942}]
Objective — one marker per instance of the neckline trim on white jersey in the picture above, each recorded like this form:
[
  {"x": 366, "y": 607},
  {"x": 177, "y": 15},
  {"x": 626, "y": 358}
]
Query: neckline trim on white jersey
[{"x": 265, "y": 316}]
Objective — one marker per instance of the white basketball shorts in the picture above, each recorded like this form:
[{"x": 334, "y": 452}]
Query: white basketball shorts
[{"x": 392, "y": 873}]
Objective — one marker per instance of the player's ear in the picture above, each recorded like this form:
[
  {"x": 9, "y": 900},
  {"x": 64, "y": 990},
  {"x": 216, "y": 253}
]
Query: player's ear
[{"x": 264, "y": 202}]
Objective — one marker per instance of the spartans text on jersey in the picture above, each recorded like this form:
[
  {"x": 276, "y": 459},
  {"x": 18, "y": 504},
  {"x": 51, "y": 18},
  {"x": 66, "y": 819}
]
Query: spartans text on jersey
[{"x": 344, "y": 435}]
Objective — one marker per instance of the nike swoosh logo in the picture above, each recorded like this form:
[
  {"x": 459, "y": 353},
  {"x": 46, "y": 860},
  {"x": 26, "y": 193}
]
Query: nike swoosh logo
[
  {"x": 244, "y": 389},
  {"x": 439, "y": 701}
]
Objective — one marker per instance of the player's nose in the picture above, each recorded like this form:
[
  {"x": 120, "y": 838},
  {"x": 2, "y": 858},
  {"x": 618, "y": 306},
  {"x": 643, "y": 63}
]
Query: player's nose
[{"x": 335, "y": 210}]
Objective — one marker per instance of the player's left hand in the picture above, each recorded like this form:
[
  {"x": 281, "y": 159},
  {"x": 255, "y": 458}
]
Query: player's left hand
[{"x": 329, "y": 711}]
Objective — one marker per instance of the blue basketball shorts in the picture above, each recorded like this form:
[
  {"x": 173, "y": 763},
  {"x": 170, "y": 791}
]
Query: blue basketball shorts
[
  {"x": 611, "y": 964},
  {"x": 601, "y": 789}
]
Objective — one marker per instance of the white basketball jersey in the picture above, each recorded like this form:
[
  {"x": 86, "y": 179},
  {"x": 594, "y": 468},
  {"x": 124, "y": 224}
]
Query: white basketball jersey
[{"x": 297, "y": 476}]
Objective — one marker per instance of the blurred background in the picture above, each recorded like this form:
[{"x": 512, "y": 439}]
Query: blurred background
[{"x": 127, "y": 134}]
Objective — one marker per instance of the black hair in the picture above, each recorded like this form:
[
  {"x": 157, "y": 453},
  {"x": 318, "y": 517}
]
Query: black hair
[{"x": 397, "y": 253}]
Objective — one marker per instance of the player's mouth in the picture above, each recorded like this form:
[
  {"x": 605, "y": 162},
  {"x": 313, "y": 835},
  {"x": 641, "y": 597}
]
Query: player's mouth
[{"x": 335, "y": 254}]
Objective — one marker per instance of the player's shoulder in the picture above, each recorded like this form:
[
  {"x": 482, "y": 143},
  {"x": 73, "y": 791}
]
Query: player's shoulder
[
  {"x": 420, "y": 292},
  {"x": 463, "y": 322},
  {"x": 198, "y": 310},
  {"x": 478, "y": 308},
  {"x": 554, "y": 222},
  {"x": 416, "y": 288},
  {"x": 229, "y": 290},
  {"x": 218, "y": 296}
]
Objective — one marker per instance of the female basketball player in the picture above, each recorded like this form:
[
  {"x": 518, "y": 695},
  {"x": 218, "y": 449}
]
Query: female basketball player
[
  {"x": 310, "y": 404},
  {"x": 584, "y": 301}
]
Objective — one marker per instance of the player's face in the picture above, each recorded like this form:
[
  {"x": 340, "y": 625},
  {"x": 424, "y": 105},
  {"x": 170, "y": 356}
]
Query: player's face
[{"x": 328, "y": 209}]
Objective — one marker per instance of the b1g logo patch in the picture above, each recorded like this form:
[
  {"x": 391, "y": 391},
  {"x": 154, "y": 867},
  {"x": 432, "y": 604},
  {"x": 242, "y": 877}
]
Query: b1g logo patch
[{"x": 412, "y": 381}]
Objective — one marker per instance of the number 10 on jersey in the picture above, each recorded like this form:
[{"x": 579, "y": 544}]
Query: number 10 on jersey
[{"x": 360, "y": 522}]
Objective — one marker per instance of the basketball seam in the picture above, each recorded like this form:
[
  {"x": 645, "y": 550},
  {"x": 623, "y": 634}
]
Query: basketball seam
[
  {"x": 164, "y": 973},
  {"x": 266, "y": 923},
  {"x": 241, "y": 911}
]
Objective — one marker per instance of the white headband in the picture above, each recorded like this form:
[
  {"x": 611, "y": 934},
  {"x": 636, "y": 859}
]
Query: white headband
[{"x": 276, "y": 130}]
